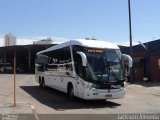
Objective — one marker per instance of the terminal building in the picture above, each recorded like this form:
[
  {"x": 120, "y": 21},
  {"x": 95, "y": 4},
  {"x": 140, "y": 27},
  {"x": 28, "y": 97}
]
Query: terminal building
[
  {"x": 25, "y": 57},
  {"x": 25, "y": 54},
  {"x": 146, "y": 61}
]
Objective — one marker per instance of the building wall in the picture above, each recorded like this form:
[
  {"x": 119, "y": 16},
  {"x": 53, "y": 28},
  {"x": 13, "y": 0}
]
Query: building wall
[
  {"x": 155, "y": 68},
  {"x": 43, "y": 42},
  {"x": 9, "y": 40},
  {"x": 148, "y": 65},
  {"x": 25, "y": 56}
]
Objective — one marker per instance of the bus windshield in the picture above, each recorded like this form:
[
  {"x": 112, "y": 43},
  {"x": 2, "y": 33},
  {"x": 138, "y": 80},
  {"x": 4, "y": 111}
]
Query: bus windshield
[{"x": 104, "y": 65}]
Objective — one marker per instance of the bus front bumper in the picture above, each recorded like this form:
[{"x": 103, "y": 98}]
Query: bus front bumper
[{"x": 99, "y": 94}]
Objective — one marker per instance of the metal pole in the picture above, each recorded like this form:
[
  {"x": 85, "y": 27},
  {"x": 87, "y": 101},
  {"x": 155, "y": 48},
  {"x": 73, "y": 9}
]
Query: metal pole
[
  {"x": 29, "y": 59},
  {"x": 4, "y": 62},
  {"x": 14, "y": 77},
  {"x": 130, "y": 39}
]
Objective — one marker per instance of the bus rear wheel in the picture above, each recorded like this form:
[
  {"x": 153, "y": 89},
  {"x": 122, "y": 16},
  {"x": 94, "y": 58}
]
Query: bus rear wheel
[
  {"x": 40, "y": 82},
  {"x": 43, "y": 83}
]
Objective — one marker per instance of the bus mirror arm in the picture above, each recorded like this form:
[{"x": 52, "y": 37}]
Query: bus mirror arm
[
  {"x": 84, "y": 58},
  {"x": 128, "y": 59}
]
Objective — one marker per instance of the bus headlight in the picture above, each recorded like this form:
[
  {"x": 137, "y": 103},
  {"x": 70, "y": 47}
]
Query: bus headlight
[{"x": 93, "y": 89}]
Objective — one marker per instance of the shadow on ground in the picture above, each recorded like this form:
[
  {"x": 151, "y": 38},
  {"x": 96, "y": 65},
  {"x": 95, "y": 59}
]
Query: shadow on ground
[
  {"x": 60, "y": 101},
  {"x": 147, "y": 83}
]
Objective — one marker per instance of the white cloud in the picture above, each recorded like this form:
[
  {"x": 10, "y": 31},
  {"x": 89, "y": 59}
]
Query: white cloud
[
  {"x": 24, "y": 41},
  {"x": 56, "y": 40},
  {"x": 1, "y": 41},
  {"x": 127, "y": 43},
  {"x": 29, "y": 40}
]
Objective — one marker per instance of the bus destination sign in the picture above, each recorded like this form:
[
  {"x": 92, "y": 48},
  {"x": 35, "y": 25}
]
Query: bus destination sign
[{"x": 95, "y": 51}]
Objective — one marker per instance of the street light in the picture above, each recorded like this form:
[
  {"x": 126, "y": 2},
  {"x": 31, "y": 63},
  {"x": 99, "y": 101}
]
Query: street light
[
  {"x": 130, "y": 38},
  {"x": 143, "y": 45},
  {"x": 14, "y": 86}
]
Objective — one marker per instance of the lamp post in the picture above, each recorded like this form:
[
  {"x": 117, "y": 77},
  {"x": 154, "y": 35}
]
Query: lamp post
[
  {"x": 130, "y": 39},
  {"x": 14, "y": 85}
]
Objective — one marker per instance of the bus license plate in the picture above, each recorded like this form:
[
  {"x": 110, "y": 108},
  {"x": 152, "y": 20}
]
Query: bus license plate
[{"x": 109, "y": 95}]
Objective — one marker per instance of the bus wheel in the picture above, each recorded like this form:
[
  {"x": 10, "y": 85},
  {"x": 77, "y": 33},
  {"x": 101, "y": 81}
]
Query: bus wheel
[
  {"x": 70, "y": 91},
  {"x": 43, "y": 83},
  {"x": 40, "y": 82}
]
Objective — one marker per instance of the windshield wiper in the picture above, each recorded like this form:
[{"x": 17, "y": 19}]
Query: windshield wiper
[
  {"x": 113, "y": 72},
  {"x": 108, "y": 70}
]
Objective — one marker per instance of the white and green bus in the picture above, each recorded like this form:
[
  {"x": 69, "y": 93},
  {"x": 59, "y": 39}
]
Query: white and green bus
[{"x": 88, "y": 69}]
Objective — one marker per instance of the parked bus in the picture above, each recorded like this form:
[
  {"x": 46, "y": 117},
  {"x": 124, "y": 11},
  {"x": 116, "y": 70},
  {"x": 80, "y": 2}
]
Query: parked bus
[{"x": 88, "y": 69}]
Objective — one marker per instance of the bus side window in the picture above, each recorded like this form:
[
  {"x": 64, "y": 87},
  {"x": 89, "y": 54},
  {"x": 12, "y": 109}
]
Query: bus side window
[
  {"x": 40, "y": 67},
  {"x": 67, "y": 69}
]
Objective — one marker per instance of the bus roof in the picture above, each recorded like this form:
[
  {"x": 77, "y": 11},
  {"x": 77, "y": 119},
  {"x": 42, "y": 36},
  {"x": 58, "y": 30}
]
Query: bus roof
[{"x": 83, "y": 42}]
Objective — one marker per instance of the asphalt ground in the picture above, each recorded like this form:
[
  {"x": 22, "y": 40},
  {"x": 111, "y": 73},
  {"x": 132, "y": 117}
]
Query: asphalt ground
[{"x": 141, "y": 98}]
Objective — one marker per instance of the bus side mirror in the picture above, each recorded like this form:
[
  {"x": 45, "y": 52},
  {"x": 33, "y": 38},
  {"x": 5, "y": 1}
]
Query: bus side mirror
[
  {"x": 127, "y": 59},
  {"x": 84, "y": 58}
]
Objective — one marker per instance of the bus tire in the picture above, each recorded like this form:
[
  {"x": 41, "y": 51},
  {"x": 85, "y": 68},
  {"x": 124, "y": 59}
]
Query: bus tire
[
  {"x": 70, "y": 91},
  {"x": 40, "y": 82},
  {"x": 43, "y": 83}
]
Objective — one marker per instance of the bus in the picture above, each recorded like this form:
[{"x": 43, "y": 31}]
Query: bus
[{"x": 88, "y": 69}]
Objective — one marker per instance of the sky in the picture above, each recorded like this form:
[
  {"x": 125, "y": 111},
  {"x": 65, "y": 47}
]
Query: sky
[{"x": 31, "y": 20}]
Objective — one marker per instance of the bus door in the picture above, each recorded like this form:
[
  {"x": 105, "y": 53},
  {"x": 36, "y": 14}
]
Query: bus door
[
  {"x": 80, "y": 75},
  {"x": 79, "y": 86}
]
